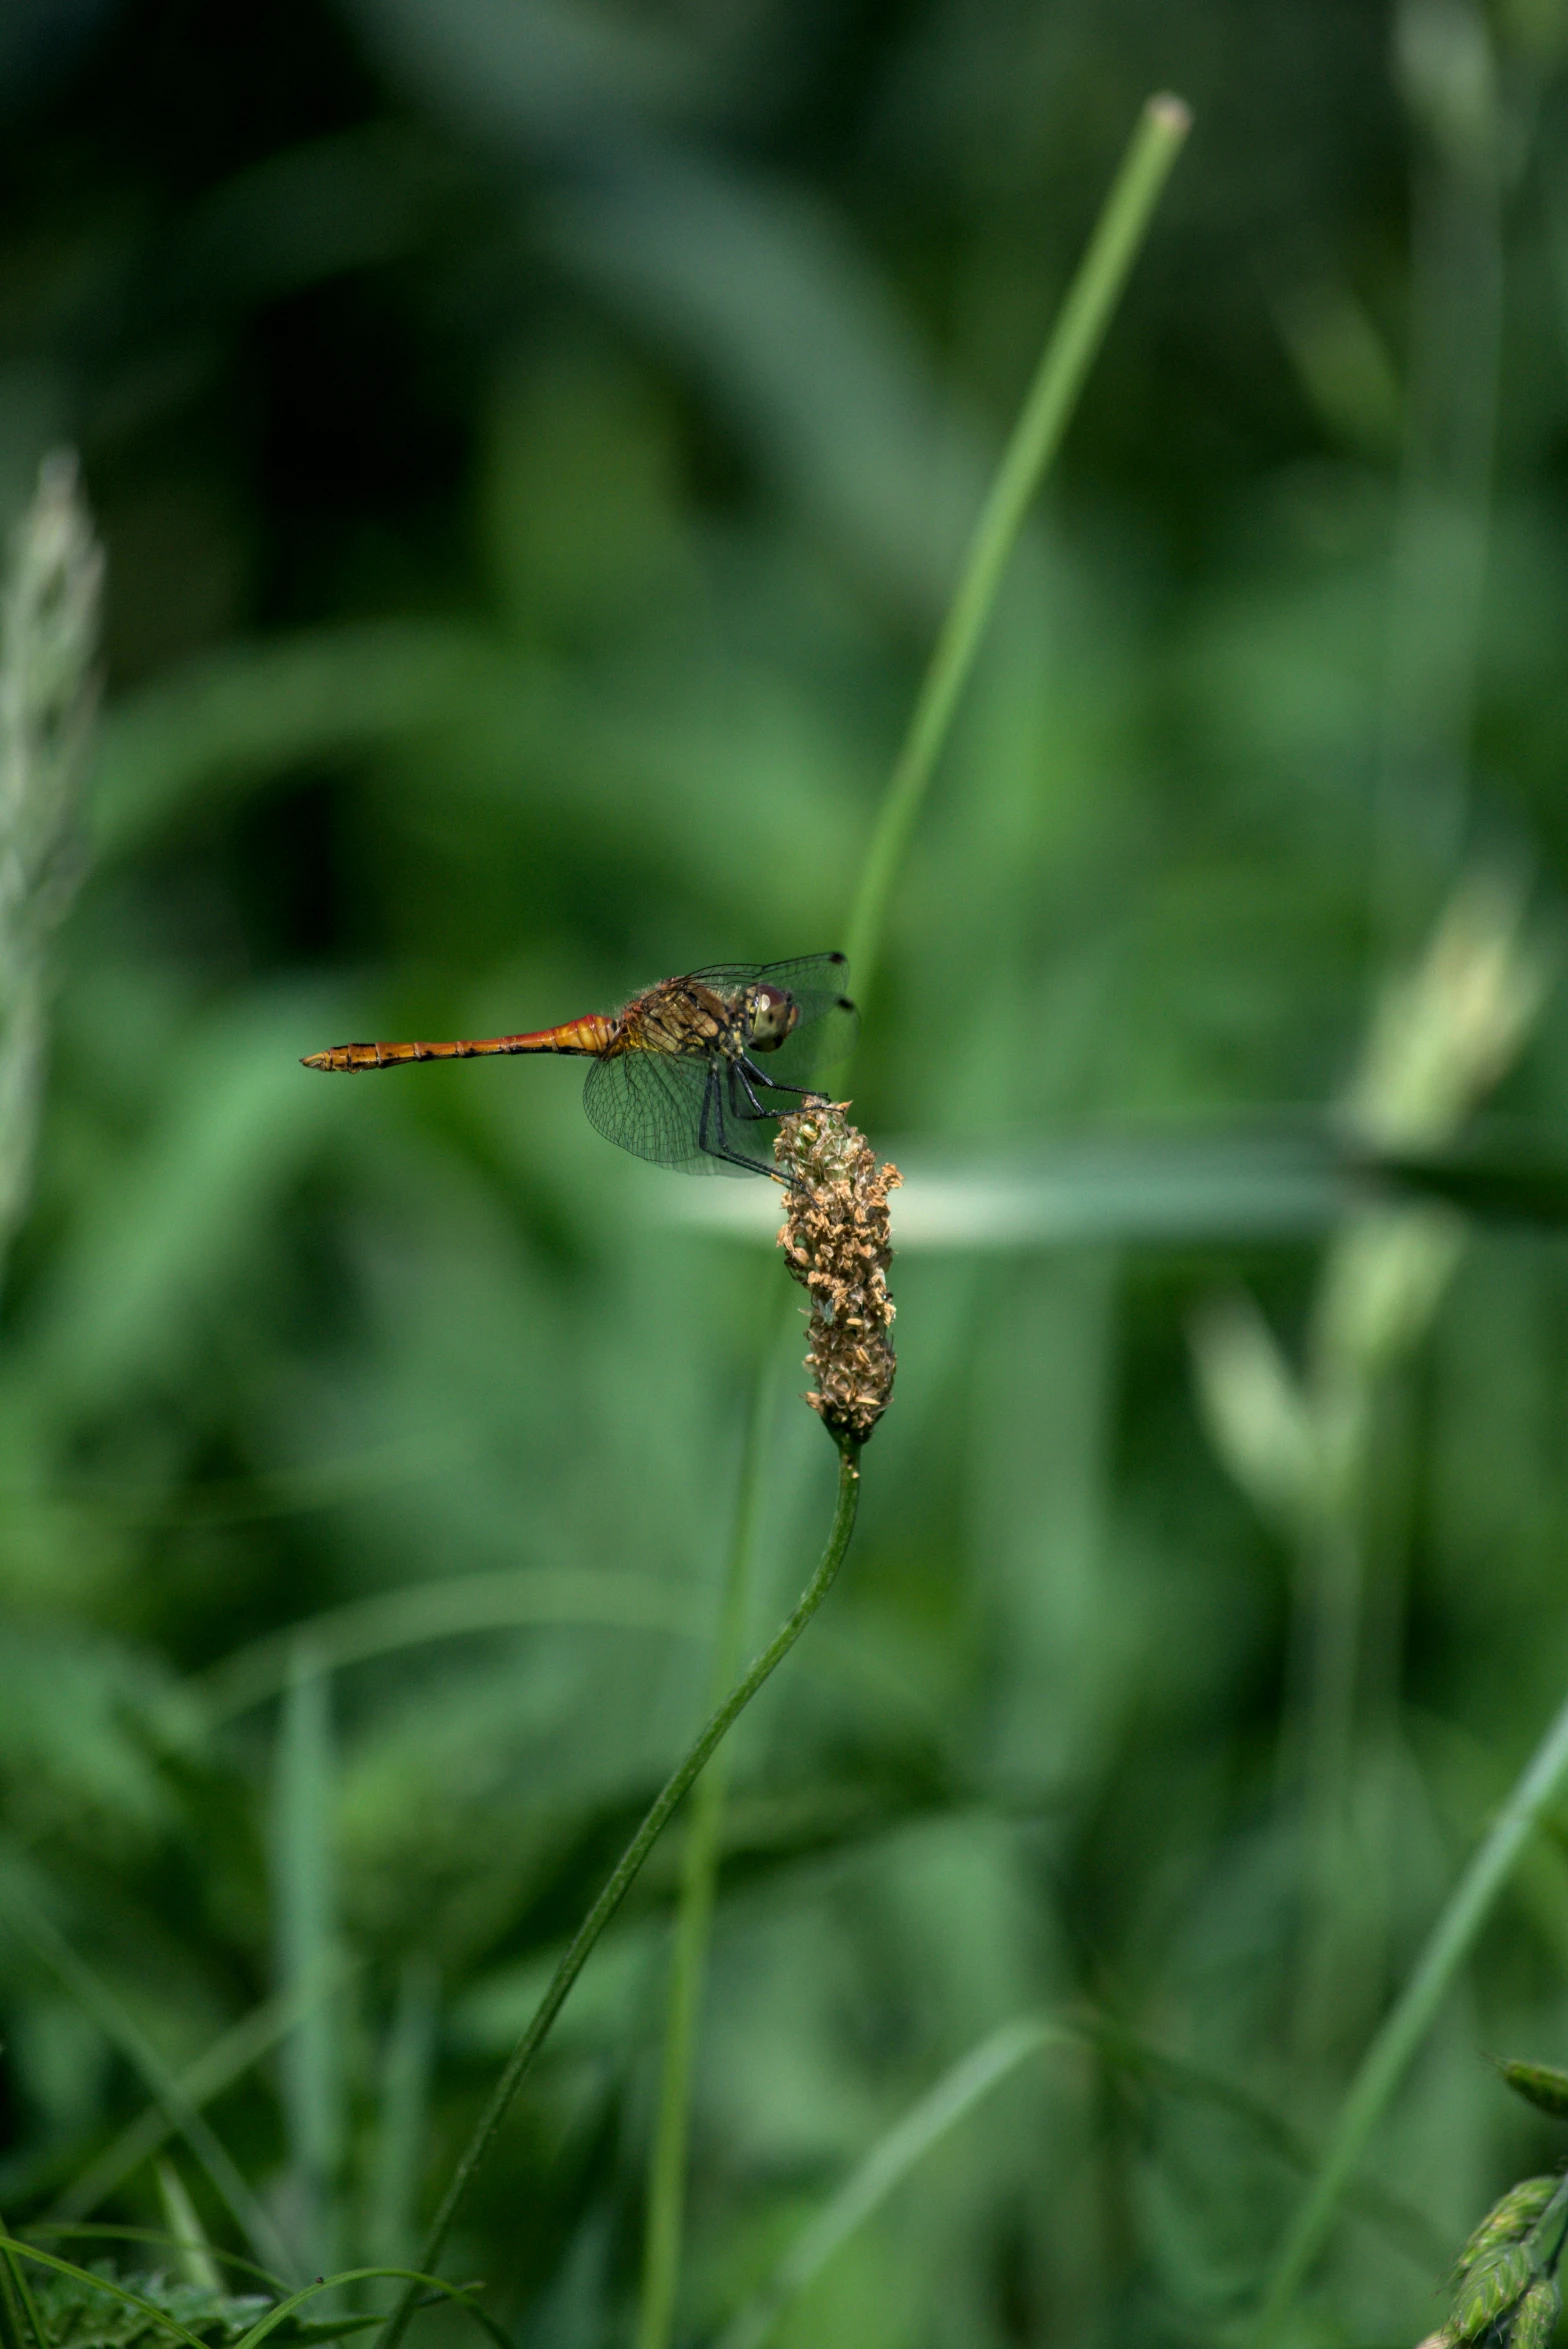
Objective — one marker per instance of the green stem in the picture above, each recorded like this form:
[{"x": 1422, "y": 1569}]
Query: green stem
[
  {"x": 1385, "y": 2061},
  {"x": 1075, "y": 339},
  {"x": 887, "y": 2165},
  {"x": 694, "y": 1917},
  {"x": 33, "y": 1926},
  {"x": 19, "y": 2303},
  {"x": 521, "y": 2060},
  {"x": 1329, "y": 1608}
]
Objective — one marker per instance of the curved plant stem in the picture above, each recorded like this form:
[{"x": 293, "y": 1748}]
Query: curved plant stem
[
  {"x": 521, "y": 2060},
  {"x": 1075, "y": 339},
  {"x": 1384, "y": 2063},
  {"x": 699, "y": 1876},
  {"x": 1036, "y": 437}
]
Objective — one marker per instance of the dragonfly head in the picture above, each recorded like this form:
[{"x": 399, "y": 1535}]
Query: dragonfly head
[{"x": 772, "y": 1014}]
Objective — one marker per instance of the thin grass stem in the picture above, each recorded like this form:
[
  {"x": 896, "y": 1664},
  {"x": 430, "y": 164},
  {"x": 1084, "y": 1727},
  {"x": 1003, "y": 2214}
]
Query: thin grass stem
[
  {"x": 14, "y": 2250},
  {"x": 468, "y": 1604},
  {"x": 699, "y": 1876},
  {"x": 20, "y": 2305},
  {"x": 1037, "y": 435},
  {"x": 1042, "y": 422},
  {"x": 1047, "y": 410},
  {"x": 218, "y": 2067},
  {"x": 195, "y": 2252},
  {"x": 887, "y": 2165},
  {"x": 1385, "y": 2062},
  {"x": 681, "y": 1779},
  {"x": 304, "y": 1900},
  {"x": 93, "y": 2230},
  {"x": 48, "y": 1943},
  {"x": 405, "y": 2103}
]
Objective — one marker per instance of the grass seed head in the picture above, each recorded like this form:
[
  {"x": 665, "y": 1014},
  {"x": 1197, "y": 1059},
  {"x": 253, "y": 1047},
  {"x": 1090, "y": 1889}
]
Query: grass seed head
[{"x": 838, "y": 1244}]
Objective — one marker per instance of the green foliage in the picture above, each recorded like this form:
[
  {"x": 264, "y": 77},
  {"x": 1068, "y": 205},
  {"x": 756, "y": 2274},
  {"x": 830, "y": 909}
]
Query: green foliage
[
  {"x": 76, "y": 2316},
  {"x": 533, "y": 448},
  {"x": 1542, "y": 2085}
]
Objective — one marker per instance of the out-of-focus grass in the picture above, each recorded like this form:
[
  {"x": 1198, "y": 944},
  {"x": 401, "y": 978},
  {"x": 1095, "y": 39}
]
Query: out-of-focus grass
[{"x": 532, "y": 448}]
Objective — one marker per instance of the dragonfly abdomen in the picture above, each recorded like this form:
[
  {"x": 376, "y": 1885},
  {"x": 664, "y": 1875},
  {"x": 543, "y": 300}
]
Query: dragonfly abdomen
[{"x": 587, "y": 1038}]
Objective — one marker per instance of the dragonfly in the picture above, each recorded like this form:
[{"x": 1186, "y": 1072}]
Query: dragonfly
[{"x": 689, "y": 1072}]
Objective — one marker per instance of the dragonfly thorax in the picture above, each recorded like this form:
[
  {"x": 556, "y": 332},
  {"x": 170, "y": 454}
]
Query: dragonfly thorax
[{"x": 771, "y": 1014}]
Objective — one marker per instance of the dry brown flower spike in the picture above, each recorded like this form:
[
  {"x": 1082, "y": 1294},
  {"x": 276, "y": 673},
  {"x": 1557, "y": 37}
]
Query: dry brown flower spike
[{"x": 838, "y": 1244}]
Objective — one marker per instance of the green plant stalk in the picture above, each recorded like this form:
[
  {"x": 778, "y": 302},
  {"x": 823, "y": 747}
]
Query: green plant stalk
[
  {"x": 1442, "y": 530},
  {"x": 685, "y": 1773},
  {"x": 18, "y": 2303},
  {"x": 39, "y": 1931},
  {"x": 230, "y": 2055},
  {"x": 195, "y": 2253},
  {"x": 1042, "y": 422},
  {"x": 1384, "y": 2064},
  {"x": 694, "y": 1914},
  {"x": 303, "y": 1876},
  {"x": 405, "y": 2101},
  {"x": 1047, "y": 410},
  {"x": 1330, "y": 1599},
  {"x": 93, "y": 2230},
  {"x": 1036, "y": 437}
]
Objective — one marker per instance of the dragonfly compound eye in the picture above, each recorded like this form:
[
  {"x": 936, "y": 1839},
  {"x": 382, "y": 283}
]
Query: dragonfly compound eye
[{"x": 773, "y": 1014}]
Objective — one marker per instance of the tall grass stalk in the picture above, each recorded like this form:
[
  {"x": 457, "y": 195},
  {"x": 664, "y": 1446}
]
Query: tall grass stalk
[
  {"x": 407, "y": 2065},
  {"x": 1344, "y": 1642},
  {"x": 1310, "y": 1446},
  {"x": 699, "y": 1878},
  {"x": 303, "y": 1906},
  {"x": 581, "y": 1946},
  {"x": 1047, "y": 410},
  {"x": 1385, "y": 2062},
  {"x": 49, "y": 607},
  {"x": 1450, "y": 80}
]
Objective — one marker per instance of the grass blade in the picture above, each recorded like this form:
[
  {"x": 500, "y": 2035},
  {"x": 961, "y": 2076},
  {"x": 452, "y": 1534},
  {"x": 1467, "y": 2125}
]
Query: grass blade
[
  {"x": 405, "y": 2098},
  {"x": 887, "y": 2165},
  {"x": 1385, "y": 2061},
  {"x": 195, "y": 2253},
  {"x": 49, "y": 1943},
  {"x": 1070, "y": 352},
  {"x": 304, "y": 1891},
  {"x": 678, "y": 1784},
  {"x": 699, "y": 1876},
  {"x": 231, "y": 2054},
  {"x": 448, "y": 1609}
]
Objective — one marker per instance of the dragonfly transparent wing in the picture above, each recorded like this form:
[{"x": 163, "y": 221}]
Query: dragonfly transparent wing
[
  {"x": 651, "y": 1103},
  {"x": 828, "y": 1025}
]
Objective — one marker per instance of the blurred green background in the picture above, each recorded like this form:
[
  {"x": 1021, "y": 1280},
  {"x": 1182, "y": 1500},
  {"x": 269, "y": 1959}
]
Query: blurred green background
[{"x": 533, "y": 447}]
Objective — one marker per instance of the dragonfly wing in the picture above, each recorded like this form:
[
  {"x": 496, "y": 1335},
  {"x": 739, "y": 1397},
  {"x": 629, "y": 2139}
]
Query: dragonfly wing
[
  {"x": 828, "y": 1025},
  {"x": 651, "y": 1103},
  {"x": 824, "y": 975}
]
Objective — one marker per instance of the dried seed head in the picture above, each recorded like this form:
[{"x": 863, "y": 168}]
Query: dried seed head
[{"x": 837, "y": 1242}]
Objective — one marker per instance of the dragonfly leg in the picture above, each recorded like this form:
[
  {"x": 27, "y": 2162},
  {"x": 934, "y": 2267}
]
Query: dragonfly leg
[
  {"x": 710, "y": 1133},
  {"x": 751, "y": 1075}
]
